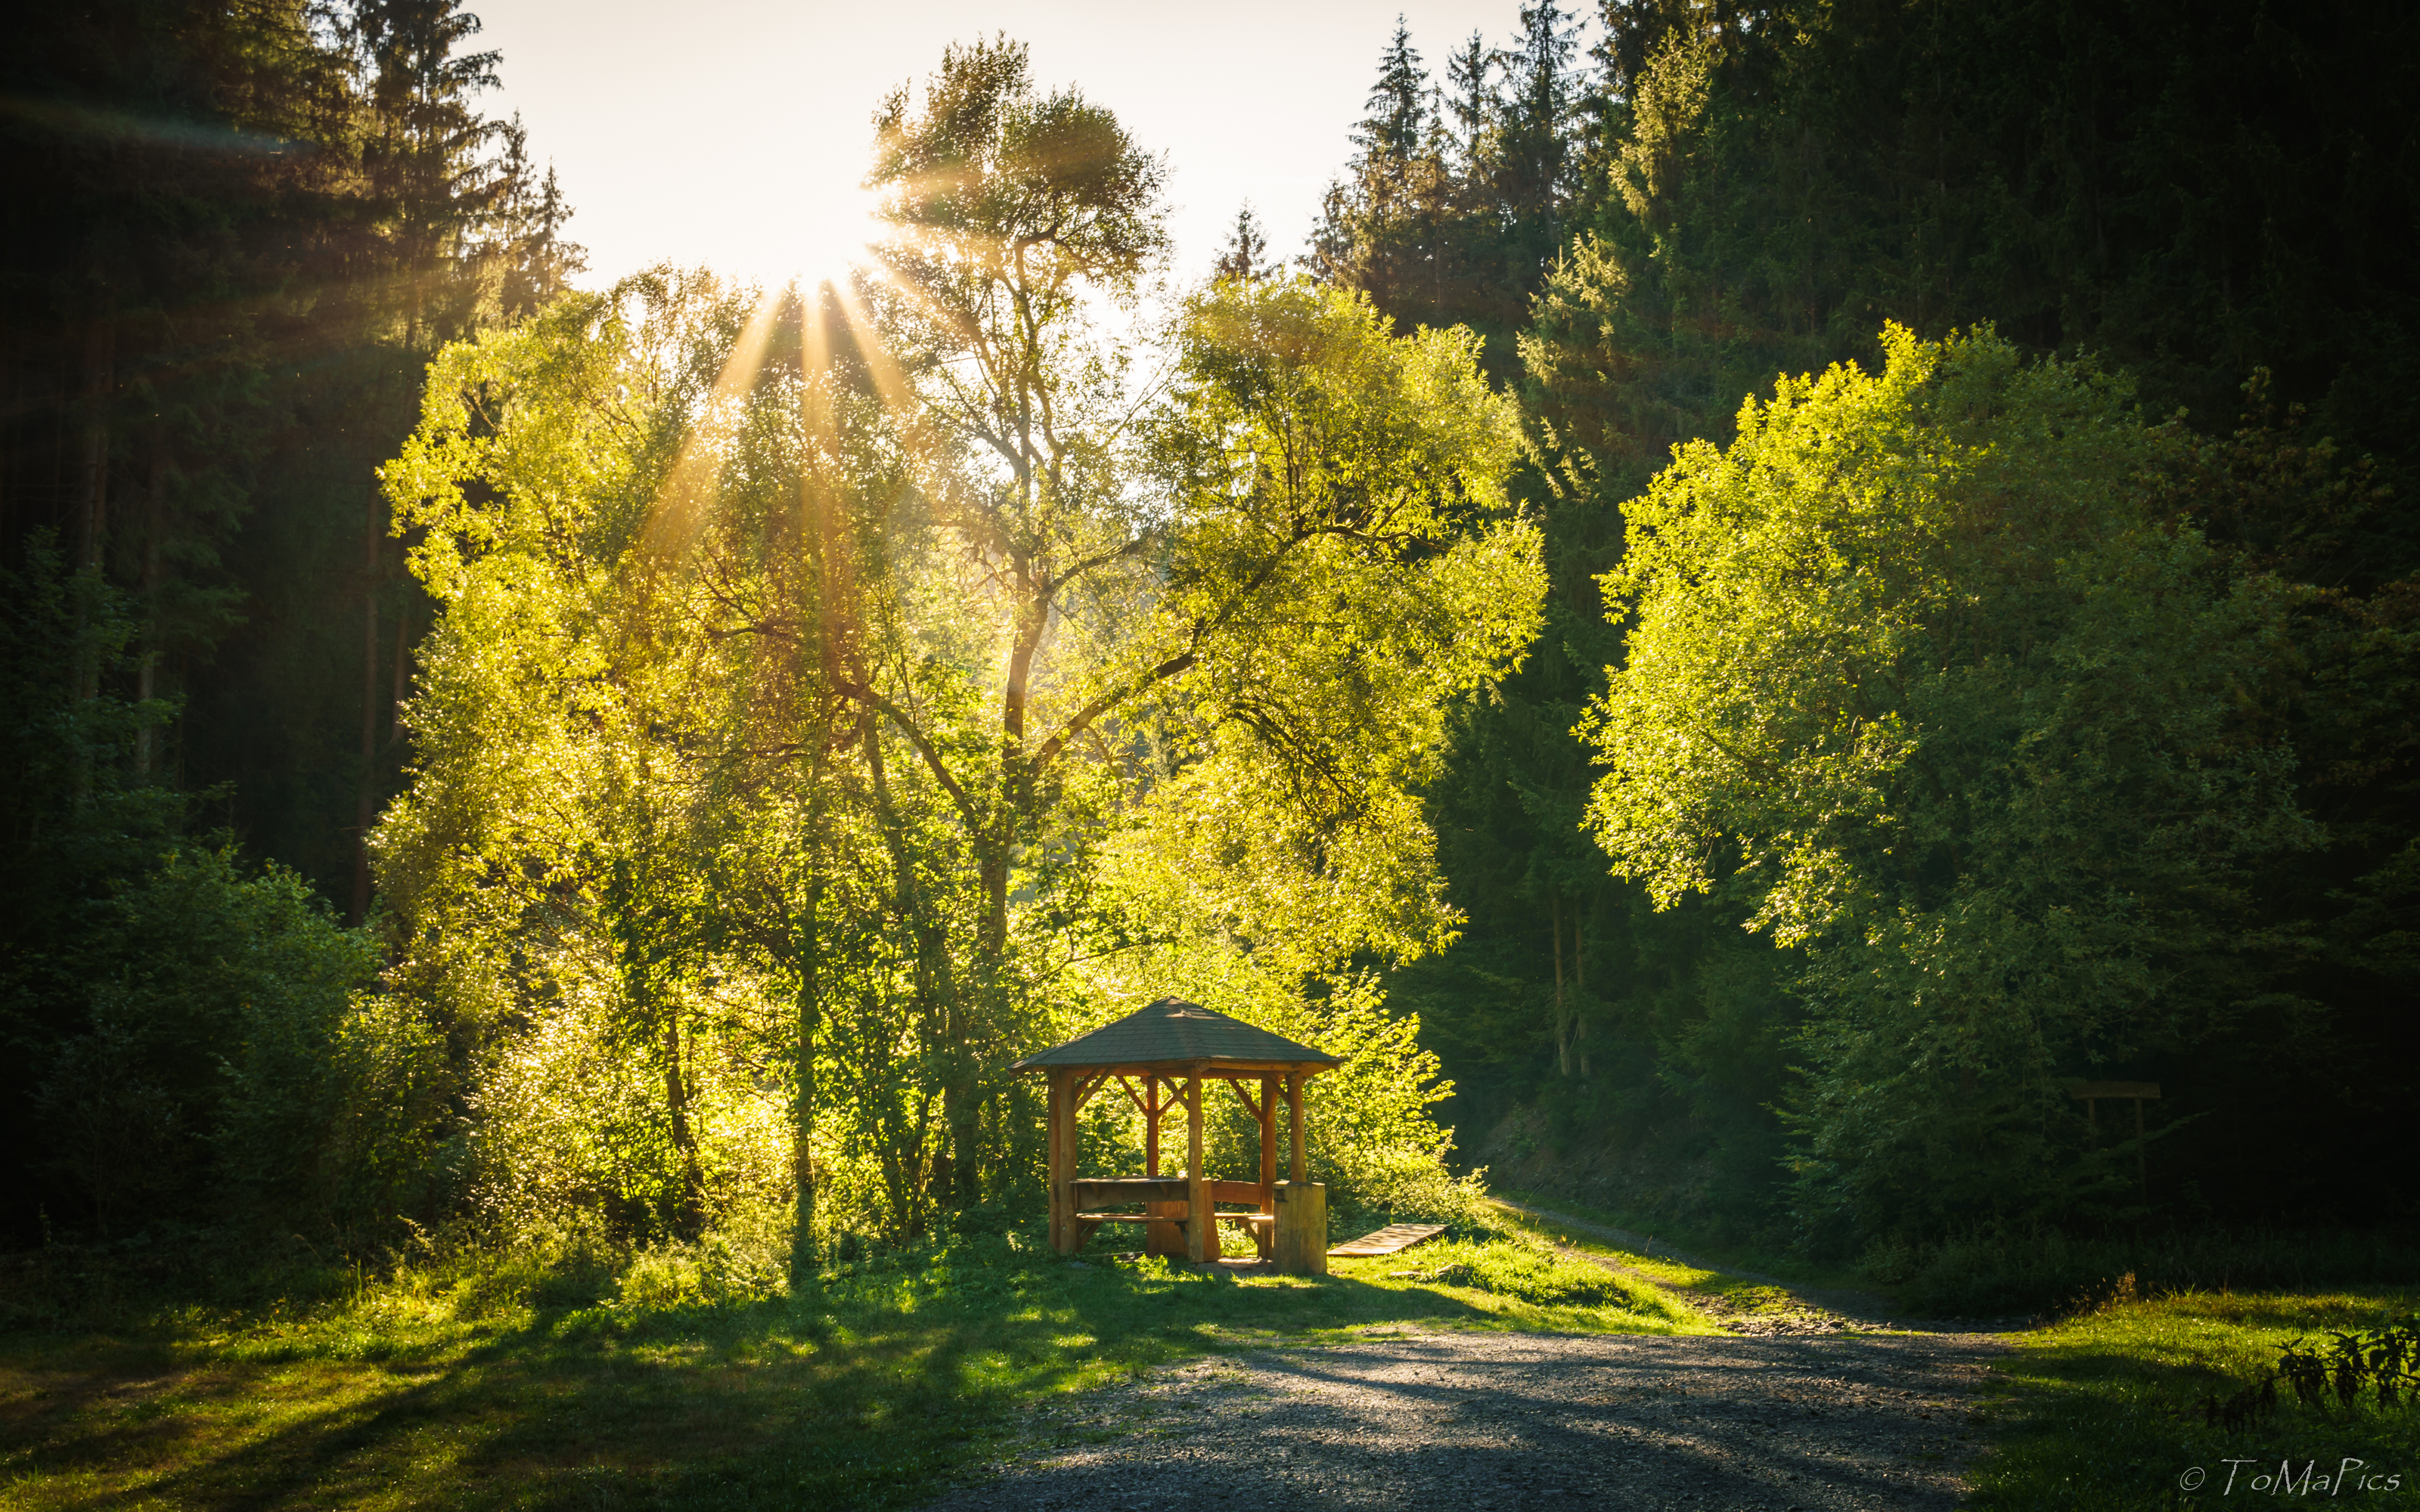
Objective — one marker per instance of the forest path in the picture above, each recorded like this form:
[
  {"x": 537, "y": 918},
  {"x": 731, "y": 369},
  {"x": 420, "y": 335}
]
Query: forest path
[{"x": 1504, "y": 1420}]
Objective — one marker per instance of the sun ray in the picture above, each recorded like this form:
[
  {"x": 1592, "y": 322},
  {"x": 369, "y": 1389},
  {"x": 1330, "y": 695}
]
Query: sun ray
[{"x": 679, "y": 508}]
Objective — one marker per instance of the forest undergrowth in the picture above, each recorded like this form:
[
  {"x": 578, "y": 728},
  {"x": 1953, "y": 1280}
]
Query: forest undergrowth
[{"x": 2104, "y": 1409}]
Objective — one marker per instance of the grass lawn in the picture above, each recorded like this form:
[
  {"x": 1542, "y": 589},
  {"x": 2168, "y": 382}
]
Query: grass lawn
[
  {"x": 2102, "y": 1410},
  {"x": 496, "y": 1383},
  {"x": 1738, "y": 1293},
  {"x": 1791, "y": 1268}
]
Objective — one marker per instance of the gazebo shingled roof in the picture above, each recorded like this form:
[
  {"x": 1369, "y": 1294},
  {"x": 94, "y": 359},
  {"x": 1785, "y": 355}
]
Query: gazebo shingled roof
[{"x": 1171, "y": 1032}]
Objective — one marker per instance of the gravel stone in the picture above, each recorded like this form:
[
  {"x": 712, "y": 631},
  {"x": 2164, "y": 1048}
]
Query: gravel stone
[{"x": 1456, "y": 1419}]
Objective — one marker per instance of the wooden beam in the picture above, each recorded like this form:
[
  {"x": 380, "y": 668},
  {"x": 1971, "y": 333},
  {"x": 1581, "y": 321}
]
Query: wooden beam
[
  {"x": 1129, "y": 1189},
  {"x": 2087, "y": 1091},
  {"x": 1134, "y": 1097},
  {"x": 1293, "y": 1111},
  {"x": 1212, "y": 1069},
  {"x": 1071, "y": 1149},
  {"x": 1236, "y": 1086}
]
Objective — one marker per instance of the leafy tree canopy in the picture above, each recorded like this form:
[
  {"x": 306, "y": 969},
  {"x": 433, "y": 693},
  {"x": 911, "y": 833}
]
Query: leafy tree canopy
[{"x": 1920, "y": 673}]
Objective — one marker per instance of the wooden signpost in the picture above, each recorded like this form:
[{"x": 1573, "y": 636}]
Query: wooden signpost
[{"x": 2090, "y": 1095}]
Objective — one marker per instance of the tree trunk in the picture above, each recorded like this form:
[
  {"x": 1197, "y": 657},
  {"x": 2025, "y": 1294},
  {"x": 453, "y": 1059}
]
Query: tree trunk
[
  {"x": 689, "y": 1210},
  {"x": 1562, "y": 1018},
  {"x": 1579, "y": 983},
  {"x": 810, "y": 1020},
  {"x": 962, "y": 1094},
  {"x": 402, "y": 674},
  {"x": 365, "y": 793},
  {"x": 99, "y": 378},
  {"x": 952, "y": 1171},
  {"x": 92, "y": 504},
  {"x": 147, "y": 675}
]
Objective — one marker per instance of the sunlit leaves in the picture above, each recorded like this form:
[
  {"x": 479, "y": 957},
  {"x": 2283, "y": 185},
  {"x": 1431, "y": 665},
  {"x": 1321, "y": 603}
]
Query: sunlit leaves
[
  {"x": 1343, "y": 565},
  {"x": 1919, "y": 672}
]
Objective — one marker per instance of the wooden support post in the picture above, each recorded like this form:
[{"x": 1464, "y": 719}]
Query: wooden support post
[
  {"x": 1152, "y": 1108},
  {"x": 1264, "y": 1237},
  {"x": 1302, "y": 1228},
  {"x": 1062, "y": 1192},
  {"x": 1268, "y": 1144},
  {"x": 1201, "y": 1221},
  {"x": 2090, "y": 1094},
  {"x": 1293, "y": 1111},
  {"x": 1168, "y": 1235}
]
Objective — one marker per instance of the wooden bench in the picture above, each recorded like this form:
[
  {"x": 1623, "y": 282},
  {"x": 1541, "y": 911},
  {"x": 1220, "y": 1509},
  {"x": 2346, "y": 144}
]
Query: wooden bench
[{"x": 1262, "y": 1226}]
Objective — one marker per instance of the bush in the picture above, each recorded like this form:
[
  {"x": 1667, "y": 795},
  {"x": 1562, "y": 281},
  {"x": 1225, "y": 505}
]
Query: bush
[
  {"x": 1988, "y": 1273},
  {"x": 234, "y": 1061}
]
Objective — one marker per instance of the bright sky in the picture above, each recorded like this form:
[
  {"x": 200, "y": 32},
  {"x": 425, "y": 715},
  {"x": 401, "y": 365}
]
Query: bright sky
[{"x": 734, "y": 132}]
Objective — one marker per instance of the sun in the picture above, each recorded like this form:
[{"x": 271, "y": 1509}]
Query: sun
[{"x": 826, "y": 230}]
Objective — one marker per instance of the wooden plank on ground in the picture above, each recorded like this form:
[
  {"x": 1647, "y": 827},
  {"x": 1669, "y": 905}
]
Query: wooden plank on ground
[{"x": 1388, "y": 1239}]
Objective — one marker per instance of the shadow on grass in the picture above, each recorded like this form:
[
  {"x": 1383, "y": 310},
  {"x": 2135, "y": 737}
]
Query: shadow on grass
[{"x": 866, "y": 1392}]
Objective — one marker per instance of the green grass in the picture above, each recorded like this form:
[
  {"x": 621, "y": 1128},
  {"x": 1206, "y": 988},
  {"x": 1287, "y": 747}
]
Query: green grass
[
  {"x": 2101, "y": 1410},
  {"x": 528, "y": 1382},
  {"x": 1737, "y": 1293},
  {"x": 1792, "y": 1268}
]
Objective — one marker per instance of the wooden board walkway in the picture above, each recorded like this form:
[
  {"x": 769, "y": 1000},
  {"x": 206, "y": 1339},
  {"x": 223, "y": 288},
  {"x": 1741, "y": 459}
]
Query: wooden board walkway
[{"x": 1388, "y": 1239}]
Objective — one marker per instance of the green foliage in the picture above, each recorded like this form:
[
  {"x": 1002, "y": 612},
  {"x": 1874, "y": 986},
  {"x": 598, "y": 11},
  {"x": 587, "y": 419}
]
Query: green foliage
[
  {"x": 234, "y": 1064},
  {"x": 239, "y": 231},
  {"x": 585, "y": 732},
  {"x": 1757, "y": 190},
  {"x": 1922, "y": 676},
  {"x": 1453, "y": 210},
  {"x": 659, "y": 802}
]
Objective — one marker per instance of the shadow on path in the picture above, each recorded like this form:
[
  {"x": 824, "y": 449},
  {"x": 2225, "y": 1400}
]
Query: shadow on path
[{"x": 1507, "y": 1420}]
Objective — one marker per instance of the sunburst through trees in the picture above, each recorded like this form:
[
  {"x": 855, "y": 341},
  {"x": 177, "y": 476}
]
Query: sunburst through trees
[{"x": 841, "y": 690}]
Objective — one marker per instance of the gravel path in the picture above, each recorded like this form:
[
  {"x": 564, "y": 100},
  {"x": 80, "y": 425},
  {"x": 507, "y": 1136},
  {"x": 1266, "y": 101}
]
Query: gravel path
[{"x": 1456, "y": 1419}]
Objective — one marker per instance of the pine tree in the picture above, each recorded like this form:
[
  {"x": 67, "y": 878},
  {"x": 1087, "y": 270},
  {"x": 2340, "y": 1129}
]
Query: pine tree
[
  {"x": 1246, "y": 255},
  {"x": 1533, "y": 147},
  {"x": 1389, "y": 138},
  {"x": 1471, "y": 99},
  {"x": 525, "y": 237},
  {"x": 211, "y": 333}
]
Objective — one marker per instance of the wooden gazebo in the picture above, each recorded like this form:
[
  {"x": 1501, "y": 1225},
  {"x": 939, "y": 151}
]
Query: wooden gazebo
[{"x": 1170, "y": 1049}]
